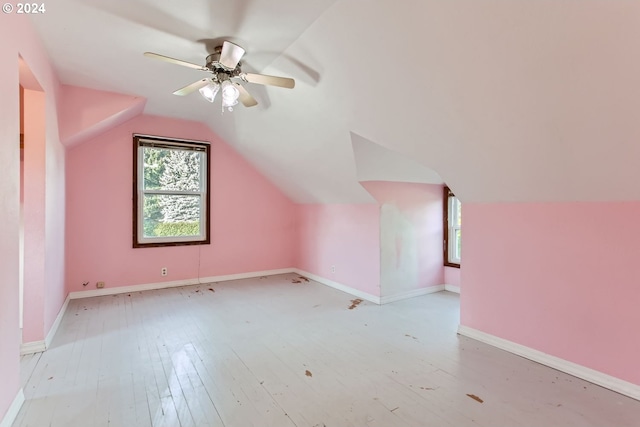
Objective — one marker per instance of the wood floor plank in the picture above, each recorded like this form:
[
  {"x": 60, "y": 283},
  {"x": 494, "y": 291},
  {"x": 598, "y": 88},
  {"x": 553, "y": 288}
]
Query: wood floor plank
[{"x": 279, "y": 351}]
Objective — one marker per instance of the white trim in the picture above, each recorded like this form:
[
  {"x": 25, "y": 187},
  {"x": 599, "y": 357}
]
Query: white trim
[
  {"x": 588, "y": 374},
  {"x": 250, "y": 275},
  {"x": 40, "y": 346},
  {"x": 410, "y": 294},
  {"x": 56, "y": 323},
  {"x": 132, "y": 288},
  {"x": 173, "y": 284},
  {"x": 13, "y": 410},
  {"x": 339, "y": 286},
  {"x": 32, "y": 347},
  {"x": 452, "y": 288}
]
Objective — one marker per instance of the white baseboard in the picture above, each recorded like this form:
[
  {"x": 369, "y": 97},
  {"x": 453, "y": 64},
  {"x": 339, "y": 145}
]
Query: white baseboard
[
  {"x": 56, "y": 323},
  {"x": 132, "y": 288},
  {"x": 587, "y": 374},
  {"x": 173, "y": 284},
  {"x": 40, "y": 346},
  {"x": 452, "y": 288},
  {"x": 339, "y": 286},
  {"x": 32, "y": 347},
  {"x": 13, "y": 410},
  {"x": 410, "y": 294},
  {"x": 250, "y": 275}
]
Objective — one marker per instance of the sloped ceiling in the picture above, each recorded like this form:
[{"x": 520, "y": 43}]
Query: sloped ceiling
[
  {"x": 505, "y": 100},
  {"x": 86, "y": 113},
  {"x": 27, "y": 79},
  {"x": 377, "y": 163}
]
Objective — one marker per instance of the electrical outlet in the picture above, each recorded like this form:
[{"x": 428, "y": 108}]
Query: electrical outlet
[
  {"x": 163, "y": 271},
  {"x": 100, "y": 285},
  {"x": 333, "y": 268}
]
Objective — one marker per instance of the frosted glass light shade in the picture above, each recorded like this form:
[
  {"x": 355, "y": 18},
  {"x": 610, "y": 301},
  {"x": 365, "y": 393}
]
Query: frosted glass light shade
[
  {"x": 230, "y": 94},
  {"x": 210, "y": 91}
]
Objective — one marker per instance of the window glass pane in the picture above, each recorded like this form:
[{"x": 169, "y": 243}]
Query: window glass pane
[
  {"x": 171, "y": 215},
  {"x": 454, "y": 212},
  {"x": 453, "y": 236},
  {"x": 168, "y": 169},
  {"x": 451, "y": 208}
]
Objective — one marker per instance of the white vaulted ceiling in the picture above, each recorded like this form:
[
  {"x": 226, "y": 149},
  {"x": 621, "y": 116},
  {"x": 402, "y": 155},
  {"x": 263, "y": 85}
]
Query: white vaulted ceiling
[{"x": 504, "y": 100}]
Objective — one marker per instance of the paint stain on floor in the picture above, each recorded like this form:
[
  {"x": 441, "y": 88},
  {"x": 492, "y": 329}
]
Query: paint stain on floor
[
  {"x": 304, "y": 279},
  {"x": 308, "y": 373},
  {"x": 410, "y": 336},
  {"x": 474, "y": 397},
  {"x": 354, "y": 303},
  {"x": 211, "y": 290},
  {"x": 295, "y": 281}
]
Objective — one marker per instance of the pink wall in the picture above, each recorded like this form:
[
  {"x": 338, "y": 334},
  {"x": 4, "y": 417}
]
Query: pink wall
[
  {"x": 86, "y": 113},
  {"x": 347, "y": 236},
  {"x": 34, "y": 215},
  {"x": 44, "y": 210},
  {"x": 562, "y": 278},
  {"x": 9, "y": 216},
  {"x": 452, "y": 275},
  {"x": 55, "y": 205},
  {"x": 21, "y": 39},
  {"x": 410, "y": 235},
  {"x": 252, "y": 222}
]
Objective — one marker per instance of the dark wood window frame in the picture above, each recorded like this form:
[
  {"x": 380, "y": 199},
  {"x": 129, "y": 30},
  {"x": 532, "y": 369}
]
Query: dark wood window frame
[
  {"x": 445, "y": 227},
  {"x": 149, "y": 140}
]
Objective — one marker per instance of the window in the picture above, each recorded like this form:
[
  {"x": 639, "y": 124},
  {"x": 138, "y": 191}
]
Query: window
[
  {"x": 452, "y": 234},
  {"x": 170, "y": 192}
]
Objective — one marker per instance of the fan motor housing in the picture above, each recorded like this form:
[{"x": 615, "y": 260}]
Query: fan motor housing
[
  {"x": 213, "y": 59},
  {"x": 213, "y": 64}
]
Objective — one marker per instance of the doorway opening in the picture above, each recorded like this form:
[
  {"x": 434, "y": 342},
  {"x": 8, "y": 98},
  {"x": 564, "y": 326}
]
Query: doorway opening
[{"x": 32, "y": 203}]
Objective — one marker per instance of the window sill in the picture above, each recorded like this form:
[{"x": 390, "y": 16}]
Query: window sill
[{"x": 162, "y": 244}]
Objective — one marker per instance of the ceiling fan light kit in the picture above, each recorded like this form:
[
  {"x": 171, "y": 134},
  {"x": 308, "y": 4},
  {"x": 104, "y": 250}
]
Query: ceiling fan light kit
[
  {"x": 226, "y": 69},
  {"x": 209, "y": 91},
  {"x": 230, "y": 95}
]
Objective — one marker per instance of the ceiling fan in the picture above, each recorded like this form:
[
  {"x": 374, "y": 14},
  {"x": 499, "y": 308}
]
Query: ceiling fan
[{"x": 225, "y": 66}]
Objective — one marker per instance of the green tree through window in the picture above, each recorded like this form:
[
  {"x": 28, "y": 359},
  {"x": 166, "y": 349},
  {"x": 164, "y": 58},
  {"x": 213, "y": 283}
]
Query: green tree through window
[{"x": 171, "y": 192}]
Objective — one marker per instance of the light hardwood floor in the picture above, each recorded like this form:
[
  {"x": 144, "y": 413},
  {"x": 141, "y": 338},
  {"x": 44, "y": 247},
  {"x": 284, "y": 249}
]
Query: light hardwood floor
[{"x": 270, "y": 352}]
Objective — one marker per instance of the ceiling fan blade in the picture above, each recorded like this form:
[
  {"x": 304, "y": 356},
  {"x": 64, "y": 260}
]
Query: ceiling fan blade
[
  {"x": 174, "y": 61},
  {"x": 192, "y": 87},
  {"x": 245, "y": 97},
  {"x": 230, "y": 55},
  {"x": 263, "y": 79}
]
